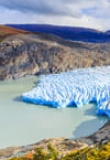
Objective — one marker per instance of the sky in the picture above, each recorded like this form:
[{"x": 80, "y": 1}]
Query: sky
[{"x": 82, "y": 13}]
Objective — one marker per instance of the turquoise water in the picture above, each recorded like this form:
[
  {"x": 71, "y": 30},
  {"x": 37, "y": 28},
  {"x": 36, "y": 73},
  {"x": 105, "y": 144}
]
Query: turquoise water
[{"x": 22, "y": 123}]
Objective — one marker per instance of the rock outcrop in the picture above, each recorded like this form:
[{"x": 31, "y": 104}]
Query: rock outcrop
[
  {"x": 100, "y": 137},
  {"x": 22, "y": 55}
]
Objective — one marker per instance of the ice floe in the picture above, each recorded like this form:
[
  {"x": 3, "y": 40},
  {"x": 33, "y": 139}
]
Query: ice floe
[{"x": 77, "y": 87}]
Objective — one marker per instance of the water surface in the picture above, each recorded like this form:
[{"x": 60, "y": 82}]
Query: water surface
[{"x": 22, "y": 123}]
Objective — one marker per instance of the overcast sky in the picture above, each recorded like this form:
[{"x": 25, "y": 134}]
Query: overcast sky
[{"x": 83, "y": 13}]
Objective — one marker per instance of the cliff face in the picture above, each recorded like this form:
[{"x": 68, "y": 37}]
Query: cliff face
[{"x": 22, "y": 55}]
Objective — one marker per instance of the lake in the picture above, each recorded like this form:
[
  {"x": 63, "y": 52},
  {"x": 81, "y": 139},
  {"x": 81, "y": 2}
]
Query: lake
[{"x": 22, "y": 123}]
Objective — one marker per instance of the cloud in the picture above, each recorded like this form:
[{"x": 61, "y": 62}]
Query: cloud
[
  {"x": 40, "y": 7},
  {"x": 60, "y": 12},
  {"x": 98, "y": 11}
]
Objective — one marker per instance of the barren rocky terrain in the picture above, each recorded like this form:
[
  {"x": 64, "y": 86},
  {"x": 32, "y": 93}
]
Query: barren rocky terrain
[{"x": 26, "y": 54}]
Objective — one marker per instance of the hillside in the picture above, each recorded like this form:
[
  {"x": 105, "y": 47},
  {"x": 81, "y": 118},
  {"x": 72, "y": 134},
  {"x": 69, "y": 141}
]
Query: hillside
[
  {"x": 37, "y": 54},
  {"x": 7, "y": 31},
  {"x": 68, "y": 33}
]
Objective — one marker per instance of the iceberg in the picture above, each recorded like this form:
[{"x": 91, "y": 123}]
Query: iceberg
[{"x": 73, "y": 88}]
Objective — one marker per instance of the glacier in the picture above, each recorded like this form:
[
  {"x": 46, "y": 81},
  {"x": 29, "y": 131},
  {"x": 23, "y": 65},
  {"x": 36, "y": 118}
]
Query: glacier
[{"x": 73, "y": 88}]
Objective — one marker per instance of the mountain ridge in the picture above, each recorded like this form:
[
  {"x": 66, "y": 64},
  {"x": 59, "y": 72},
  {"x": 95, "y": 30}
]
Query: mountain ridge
[{"x": 67, "y": 32}]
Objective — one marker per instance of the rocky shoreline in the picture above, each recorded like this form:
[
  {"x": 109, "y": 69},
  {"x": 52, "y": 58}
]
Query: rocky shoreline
[{"x": 62, "y": 145}]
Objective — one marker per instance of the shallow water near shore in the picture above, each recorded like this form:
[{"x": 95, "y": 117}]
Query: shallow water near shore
[{"x": 22, "y": 123}]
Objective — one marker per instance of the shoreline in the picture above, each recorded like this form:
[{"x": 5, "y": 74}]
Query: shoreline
[{"x": 63, "y": 145}]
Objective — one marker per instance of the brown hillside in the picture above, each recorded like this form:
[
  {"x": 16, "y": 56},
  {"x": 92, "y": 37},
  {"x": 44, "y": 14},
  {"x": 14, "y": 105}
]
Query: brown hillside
[{"x": 7, "y": 31}]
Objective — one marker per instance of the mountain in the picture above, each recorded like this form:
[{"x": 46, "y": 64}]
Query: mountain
[
  {"x": 68, "y": 33},
  {"x": 26, "y": 54},
  {"x": 6, "y": 31},
  {"x": 108, "y": 32}
]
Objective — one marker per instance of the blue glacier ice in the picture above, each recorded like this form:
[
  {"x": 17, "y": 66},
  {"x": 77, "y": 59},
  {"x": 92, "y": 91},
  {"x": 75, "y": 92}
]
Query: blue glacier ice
[{"x": 77, "y": 87}]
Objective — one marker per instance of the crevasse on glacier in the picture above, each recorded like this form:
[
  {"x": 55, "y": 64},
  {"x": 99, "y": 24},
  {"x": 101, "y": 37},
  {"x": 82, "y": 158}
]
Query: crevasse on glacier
[{"x": 77, "y": 87}]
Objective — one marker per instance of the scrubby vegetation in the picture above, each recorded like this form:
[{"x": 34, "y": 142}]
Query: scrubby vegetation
[{"x": 101, "y": 152}]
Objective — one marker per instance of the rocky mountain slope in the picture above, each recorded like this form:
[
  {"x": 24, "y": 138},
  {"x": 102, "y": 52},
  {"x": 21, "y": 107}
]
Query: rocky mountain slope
[{"x": 25, "y": 54}]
